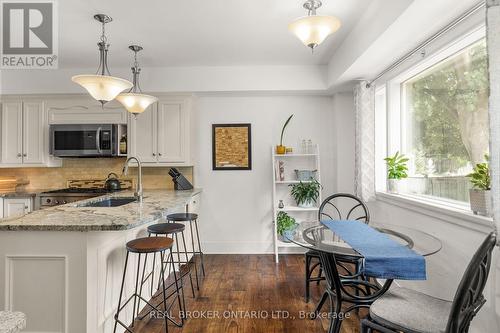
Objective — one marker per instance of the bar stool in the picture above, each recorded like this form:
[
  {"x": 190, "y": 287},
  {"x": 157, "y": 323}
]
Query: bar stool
[
  {"x": 174, "y": 229},
  {"x": 149, "y": 245},
  {"x": 193, "y": 220}
]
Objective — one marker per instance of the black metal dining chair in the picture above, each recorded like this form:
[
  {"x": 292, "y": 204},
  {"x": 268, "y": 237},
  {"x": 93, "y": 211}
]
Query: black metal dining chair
[
  {"x": 405, "y": 310},
  {"x": 339, "y": 206}
]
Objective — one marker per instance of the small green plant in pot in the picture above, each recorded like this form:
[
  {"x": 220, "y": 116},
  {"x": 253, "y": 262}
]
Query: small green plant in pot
[
  {"x": 285, "y": 226},
  {"x": 396, "y": 170},
  {"x": 306, "y": 194},
  {"x": 480, "y": 196}
]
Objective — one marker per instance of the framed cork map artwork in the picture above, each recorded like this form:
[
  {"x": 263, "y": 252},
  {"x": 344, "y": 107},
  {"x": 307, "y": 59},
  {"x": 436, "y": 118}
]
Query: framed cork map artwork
[{"x": 231, "y": 147}]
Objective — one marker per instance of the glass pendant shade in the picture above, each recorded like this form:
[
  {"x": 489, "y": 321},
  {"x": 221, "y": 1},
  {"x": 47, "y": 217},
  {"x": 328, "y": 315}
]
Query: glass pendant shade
[
  {"x": 313, "y": 30},
  {"x": 136, "y": 103},
  {"x": 103, "y": 88}
]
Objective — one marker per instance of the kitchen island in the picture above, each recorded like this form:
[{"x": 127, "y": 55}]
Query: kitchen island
[{"x": 62, "y": 266}]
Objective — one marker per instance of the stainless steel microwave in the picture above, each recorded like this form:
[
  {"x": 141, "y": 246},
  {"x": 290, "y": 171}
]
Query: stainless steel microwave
[{"x": 88, "y": 140}]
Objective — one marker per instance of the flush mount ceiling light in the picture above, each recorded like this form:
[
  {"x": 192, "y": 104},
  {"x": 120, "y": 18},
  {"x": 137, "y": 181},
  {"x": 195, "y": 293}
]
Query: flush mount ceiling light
[
  {"x": 313, "y": 29},
  {"x": 102, "y": 86},
  {"x": 134, "y": 100}
]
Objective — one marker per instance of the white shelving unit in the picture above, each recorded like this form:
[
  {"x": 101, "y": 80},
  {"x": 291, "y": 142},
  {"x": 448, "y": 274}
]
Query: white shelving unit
[{"x": 281, "y": 191}]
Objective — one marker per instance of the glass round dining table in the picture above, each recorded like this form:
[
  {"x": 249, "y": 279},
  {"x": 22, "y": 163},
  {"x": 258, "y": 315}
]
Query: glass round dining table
[
  {"x": 353, "y": 289},
  {"x": 317, "y": 237}
]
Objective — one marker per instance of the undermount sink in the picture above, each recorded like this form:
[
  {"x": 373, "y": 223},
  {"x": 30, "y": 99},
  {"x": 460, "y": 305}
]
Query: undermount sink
[{"x": 110, "y": 202}]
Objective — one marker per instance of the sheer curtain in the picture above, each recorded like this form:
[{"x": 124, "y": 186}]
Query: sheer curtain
[
  {"x": 493, "y": 33},
  {"x": 364, "y": 101}
]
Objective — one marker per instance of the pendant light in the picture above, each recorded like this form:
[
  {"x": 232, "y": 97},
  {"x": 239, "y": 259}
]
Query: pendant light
[
  {"x": 134, "y": 100},
  {"x": 313, "y": 29},
  {"x": 102, "y": 86}
]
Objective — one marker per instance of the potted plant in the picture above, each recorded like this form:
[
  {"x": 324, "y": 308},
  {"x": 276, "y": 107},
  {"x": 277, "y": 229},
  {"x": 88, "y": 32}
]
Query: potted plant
[
  {"x": 396, "y": 170},
  {"x": 306, "y": 194},
  {"x": 480, "y": 196},
  {"x": 285, "y": 226},
  {"x": 280, "y": 149}
]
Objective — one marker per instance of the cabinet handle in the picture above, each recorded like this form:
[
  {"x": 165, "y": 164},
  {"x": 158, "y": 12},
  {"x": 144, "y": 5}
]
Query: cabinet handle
[
  {"x": 25, "y": 155},
  {"x": 26, "y": 207},
  {"x": 159, "y": 154},
  {"x": 154, "y": 154},
  {"x": 19, "y": 155}
]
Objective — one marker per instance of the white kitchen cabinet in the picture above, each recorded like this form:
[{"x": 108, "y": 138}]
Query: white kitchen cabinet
[
  {"x": 16, "y": 206},
  {"x": 85, "y": 111},
  {"x": 161, "y": 135},
  {"x": 12, "y": 132},
  {"x": 143, "y": 135},
  {"x": 33, "y": 133},
  {"x": 24, "y": 134}
]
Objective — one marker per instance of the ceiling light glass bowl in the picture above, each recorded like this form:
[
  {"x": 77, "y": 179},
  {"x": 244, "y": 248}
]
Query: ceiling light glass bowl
[
  {"x": 103, "y": 88},
  {"x": 136, "y": 103},
  {"x": 313, "y": 30}
]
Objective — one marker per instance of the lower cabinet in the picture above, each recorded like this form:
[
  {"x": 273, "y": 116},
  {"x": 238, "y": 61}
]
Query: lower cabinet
[{"x": 17, "y": 206}]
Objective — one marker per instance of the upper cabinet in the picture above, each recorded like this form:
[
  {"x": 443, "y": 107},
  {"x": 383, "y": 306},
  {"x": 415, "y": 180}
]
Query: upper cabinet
[
  {"x": 161, "y": 135},
  {"x": 24, "y": 134},
  {"x": 85, "y": 111}
]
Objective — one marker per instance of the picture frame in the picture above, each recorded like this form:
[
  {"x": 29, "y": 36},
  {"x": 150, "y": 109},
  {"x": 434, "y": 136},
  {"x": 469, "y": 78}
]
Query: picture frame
[{"x": 232, "y": 146}]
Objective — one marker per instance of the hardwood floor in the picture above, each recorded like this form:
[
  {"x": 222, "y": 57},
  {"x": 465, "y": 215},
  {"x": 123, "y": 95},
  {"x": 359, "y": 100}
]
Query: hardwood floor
[{"x": 239, "y": 287}]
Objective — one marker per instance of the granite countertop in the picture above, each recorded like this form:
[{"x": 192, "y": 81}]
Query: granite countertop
[{"x": 73, "y": 217}]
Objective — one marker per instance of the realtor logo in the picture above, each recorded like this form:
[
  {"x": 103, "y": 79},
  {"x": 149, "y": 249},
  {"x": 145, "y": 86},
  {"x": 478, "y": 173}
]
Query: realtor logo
[{"x": 29, "y": 34}]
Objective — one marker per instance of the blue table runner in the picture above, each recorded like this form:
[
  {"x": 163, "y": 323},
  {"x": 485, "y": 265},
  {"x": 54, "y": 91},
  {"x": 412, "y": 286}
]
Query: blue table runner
[{"x": 384, "y": 257}]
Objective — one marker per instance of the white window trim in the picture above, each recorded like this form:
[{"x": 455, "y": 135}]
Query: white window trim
[{"x": 437, "y": 209}]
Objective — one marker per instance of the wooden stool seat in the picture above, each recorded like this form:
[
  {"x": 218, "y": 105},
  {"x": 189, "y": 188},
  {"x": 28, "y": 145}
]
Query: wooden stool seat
[
  {"x": 182, "y": 217},
  {"x": 149, "y": 244},
  {"x": 166, "y": 228}
]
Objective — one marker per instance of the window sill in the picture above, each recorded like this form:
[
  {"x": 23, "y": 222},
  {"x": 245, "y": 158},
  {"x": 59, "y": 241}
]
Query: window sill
[{"x": 455, "y": 214}]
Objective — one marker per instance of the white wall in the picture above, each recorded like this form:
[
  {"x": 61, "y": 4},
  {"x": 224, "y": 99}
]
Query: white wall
[{"x": 237, "y": 205}]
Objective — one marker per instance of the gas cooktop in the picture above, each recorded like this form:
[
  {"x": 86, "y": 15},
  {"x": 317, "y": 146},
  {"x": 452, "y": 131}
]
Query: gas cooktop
[{"x": 78, "y": 190}]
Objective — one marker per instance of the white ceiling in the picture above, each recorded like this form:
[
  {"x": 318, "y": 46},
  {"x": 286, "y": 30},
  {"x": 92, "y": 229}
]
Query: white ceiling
[{"x": 197, "y": 32}]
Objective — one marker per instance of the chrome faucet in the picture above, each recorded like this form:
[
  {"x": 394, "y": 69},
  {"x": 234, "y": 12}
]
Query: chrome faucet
[{"x": 138, "y": 186}]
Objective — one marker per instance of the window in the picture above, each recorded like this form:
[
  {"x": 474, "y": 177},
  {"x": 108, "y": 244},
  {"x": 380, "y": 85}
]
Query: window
[{"x": 444, "y": 123}]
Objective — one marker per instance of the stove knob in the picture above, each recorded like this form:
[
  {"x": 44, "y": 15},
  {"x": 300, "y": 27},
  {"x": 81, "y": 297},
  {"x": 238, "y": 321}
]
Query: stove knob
[
  {"x": 56, "y": 202},
  {"x": 48, "y": 201},
  {"x": 64, "y": 202}
]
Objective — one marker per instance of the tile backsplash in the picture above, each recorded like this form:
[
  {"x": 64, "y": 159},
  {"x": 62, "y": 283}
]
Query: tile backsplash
[{"x": 91, "y": 168}]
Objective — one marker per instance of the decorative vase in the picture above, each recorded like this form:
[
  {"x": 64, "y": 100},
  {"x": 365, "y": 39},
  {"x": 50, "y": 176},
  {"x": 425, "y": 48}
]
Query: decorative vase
[
  {"x": 287, "y": 235},
  {"x": 306, "y": 204},
  {"x": 480, "y": 202},
  {"x": 280, "y": 150},
  {"x": 393, "y": 186}
]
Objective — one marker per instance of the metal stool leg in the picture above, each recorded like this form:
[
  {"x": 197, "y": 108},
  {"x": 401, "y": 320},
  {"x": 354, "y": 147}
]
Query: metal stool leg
[
  {"x": 199, "y": 246},
  {"x": 181, "y": 307},
  {"x": 187, "y": 263},
  {"x": 136, "y": 288},
  {"x": 194, "y": 256},
  {"x": 162, "y": 256},
  {"x": 180, "y": 272},
  {"x": 121, "y": 292}
]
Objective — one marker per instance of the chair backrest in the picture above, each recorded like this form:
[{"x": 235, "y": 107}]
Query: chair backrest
[
  {"x": 344, "y": 206},
  {"x": 469, "y": 297}
]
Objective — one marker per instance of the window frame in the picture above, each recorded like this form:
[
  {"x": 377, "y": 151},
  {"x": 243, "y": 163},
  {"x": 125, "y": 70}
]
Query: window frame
[{"x": 395, "y": 118}]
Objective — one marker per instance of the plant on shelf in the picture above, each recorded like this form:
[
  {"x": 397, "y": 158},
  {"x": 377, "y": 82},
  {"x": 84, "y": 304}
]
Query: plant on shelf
[
  {"x": 306, "y": 194},
  {"x": 285, "y": 226},
  {"x": 280, "y": 149},
  {"x": 480, "y": 197},
  {"x": 396, "y": 170}
]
